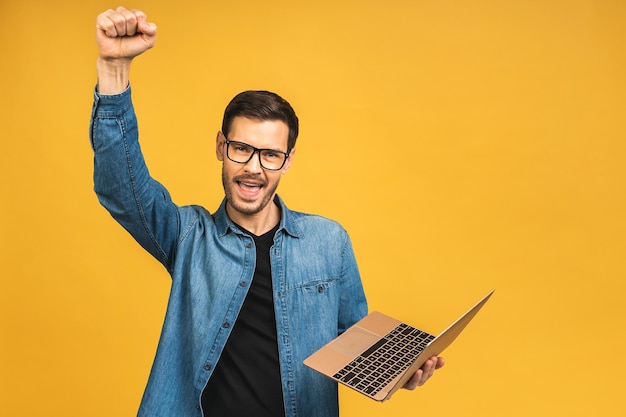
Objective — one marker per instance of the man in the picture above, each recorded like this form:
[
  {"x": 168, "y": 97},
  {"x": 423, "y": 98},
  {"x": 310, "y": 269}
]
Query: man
[{"x": 256, "y": 287}]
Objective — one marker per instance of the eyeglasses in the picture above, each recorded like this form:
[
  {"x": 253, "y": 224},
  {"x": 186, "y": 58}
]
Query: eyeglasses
[{"x": 242, "y": 153}]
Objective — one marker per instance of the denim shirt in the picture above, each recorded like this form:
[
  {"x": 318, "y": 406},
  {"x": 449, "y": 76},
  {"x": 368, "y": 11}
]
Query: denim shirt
[{"x": 316, "y": 283}]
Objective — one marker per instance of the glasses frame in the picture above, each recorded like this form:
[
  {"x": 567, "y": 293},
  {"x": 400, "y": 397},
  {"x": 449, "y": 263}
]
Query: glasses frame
[{"x": 255, "y": 151}]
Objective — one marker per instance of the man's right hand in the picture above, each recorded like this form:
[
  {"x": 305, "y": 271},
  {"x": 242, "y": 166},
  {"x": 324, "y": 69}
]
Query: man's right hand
[{"x": 121, "y": 35}]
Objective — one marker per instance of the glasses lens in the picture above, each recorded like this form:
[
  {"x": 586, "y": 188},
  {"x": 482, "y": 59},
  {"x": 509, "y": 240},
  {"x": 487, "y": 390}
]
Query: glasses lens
[
  {"x": 239, "y": 152},
  {"x": 271, "y": 159}
]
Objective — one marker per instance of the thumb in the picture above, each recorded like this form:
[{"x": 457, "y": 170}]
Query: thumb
[{"x": 145, "y": 27}]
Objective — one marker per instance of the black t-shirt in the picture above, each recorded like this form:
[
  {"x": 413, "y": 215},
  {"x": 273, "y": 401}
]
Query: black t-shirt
[{"x": 246, "y": 380}]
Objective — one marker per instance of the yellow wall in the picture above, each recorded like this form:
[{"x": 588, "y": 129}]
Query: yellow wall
[{"x": 465, "y": 146}]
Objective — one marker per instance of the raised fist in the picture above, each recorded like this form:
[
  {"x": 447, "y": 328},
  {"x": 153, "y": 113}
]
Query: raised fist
[{"x": 123, "y": 34}]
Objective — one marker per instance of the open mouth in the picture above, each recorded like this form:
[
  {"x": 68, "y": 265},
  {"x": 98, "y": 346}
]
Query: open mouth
[
  {"x": 249, "y": 189},
  {"x": 249, "y": 185}
]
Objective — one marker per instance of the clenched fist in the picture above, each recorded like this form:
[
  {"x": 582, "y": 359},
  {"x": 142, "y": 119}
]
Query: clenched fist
[
  {"x": 121, "y": 35},
  {"x": 124, "y": 34}
]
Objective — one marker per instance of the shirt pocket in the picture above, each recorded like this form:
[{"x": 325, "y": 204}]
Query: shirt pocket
[
  {"x": 314, "y": 312},
  {"x": 317, "y": 297}
]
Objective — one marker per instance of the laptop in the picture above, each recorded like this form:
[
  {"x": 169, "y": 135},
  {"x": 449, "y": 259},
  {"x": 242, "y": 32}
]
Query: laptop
[{"x": 379, "y": 354}]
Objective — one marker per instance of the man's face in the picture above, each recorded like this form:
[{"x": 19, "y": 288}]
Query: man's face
[{"x": 249, "y": 188}]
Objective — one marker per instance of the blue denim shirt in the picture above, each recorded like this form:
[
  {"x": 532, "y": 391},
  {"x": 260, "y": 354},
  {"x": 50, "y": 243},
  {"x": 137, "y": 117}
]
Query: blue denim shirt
[{"x": 317, "y": 287}]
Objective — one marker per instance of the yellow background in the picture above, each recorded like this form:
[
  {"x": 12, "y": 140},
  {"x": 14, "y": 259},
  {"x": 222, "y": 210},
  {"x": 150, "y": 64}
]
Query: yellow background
[{"x": 465, "y": 145}]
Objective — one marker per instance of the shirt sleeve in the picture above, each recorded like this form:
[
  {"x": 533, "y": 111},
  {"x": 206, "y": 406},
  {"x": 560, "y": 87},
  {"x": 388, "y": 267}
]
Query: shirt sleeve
[{"x": 122, "y": 181}]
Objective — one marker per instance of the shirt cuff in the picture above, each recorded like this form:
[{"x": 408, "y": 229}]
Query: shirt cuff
[{"x": 106, "y": 105}]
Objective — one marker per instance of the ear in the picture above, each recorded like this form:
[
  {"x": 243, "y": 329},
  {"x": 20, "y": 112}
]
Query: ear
[
  {"x": 219, "y": 146},
  {"x": 288, "y": 161}
]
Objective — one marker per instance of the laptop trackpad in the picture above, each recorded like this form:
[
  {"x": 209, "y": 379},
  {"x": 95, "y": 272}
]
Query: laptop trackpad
[{"x": 354, "y": 341}]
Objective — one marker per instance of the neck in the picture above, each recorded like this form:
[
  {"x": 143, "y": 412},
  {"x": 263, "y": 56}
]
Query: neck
[{"x": 257, "y": 223}]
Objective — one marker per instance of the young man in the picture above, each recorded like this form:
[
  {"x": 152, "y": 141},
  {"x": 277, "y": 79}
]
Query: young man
[{"x": 256, "y": 287}]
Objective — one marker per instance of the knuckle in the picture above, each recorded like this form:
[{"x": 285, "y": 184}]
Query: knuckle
[{"x": 117, "y": 19}]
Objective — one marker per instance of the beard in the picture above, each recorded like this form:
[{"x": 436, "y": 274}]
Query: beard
[{"x": 245, "y": 206}]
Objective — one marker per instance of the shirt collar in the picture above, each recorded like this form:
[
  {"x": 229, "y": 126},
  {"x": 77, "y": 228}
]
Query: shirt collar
[{"x": 287, "y": 220}]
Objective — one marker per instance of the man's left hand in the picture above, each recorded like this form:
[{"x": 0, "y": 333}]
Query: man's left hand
[{"x": 424, "y": 373}]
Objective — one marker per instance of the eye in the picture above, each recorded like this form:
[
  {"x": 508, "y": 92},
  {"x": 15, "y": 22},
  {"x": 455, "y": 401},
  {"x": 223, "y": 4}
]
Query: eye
[
  {"x": 271, "y": 155},
  {"x": 241, "y": 147}
]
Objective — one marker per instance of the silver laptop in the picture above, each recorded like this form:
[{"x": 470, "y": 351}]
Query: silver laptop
[{"x": 379, "y": 354}]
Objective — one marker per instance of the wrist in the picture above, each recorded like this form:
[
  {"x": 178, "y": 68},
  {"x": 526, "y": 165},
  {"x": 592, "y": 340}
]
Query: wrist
[{"x": 113, "y": 75}]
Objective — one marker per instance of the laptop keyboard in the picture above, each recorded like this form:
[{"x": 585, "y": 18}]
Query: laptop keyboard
[{"x": 372, "y": 370}]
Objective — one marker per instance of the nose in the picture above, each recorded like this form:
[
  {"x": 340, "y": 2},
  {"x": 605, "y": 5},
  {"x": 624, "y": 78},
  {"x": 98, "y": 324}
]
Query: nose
[{"x": 254, "y": 164}]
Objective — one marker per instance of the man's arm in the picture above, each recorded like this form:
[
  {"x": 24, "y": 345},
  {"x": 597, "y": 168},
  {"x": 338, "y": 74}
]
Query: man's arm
[
  {"x": 121, "y": 35},
  {"x": 122, "y": 181}
]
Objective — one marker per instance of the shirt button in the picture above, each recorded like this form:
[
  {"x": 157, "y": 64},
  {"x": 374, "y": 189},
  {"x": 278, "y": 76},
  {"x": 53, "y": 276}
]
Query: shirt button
[
  {"x": 320, "y": 289},
  {"x": 249, "y": 245},
  {"x": 243, "y": 283},
  {"x": 207, "y": 367},
  {"x": 226, "y": 325}
]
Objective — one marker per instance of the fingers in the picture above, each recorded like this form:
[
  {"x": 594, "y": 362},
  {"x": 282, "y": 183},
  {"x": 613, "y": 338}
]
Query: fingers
[
  {"x": 425, "y": 372},
  {"x": 440, "y": 363},
  {"x": 414, "y": 382},
  {"x": 428, "y": 370},
  {"x": 122, "y": 22}
]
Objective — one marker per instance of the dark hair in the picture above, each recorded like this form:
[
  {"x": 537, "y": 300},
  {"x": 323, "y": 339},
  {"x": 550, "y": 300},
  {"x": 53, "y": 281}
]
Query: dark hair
[{"x": 262, "y": 105}]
